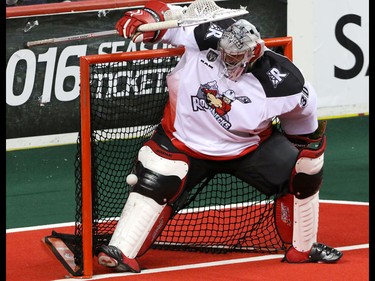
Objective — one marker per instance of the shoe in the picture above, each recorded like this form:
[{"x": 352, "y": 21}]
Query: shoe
[
  {"x": 319, "y": 253},
  {"x": 111, "y": 256}
]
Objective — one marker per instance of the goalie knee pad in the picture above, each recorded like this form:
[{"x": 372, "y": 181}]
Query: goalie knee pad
[
  {"x": 161, "y": 174},
  {"x": 307, "y": 174}
]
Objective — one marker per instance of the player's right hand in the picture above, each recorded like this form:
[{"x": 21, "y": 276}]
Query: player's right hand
[{"x": 128, "y": 25}]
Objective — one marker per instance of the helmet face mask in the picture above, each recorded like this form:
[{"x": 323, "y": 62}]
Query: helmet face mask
[
  {"x": 238, "y": 46},
  {"x": 233, "y": 60}
]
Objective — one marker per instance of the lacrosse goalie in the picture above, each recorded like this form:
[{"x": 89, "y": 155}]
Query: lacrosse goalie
[{"x": 239, "y": 86}]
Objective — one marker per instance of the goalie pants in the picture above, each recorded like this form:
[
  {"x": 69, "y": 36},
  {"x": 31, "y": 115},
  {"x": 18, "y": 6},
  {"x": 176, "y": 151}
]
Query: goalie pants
[{"x": 268, "y": 168}]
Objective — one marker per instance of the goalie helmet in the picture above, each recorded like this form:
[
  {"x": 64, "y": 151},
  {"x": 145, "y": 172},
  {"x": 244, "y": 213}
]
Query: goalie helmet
[{"x": 239, "y": 45}]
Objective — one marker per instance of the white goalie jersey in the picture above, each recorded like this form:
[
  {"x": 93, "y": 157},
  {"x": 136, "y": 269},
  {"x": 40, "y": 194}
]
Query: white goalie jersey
[{"x": 212, "y": 117}]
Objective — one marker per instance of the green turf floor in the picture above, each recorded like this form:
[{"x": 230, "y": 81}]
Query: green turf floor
[{"x": 40, "y": 187}]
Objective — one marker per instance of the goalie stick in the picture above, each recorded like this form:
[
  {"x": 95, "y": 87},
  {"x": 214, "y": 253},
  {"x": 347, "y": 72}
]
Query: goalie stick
[{"x": 198, "y": 12}]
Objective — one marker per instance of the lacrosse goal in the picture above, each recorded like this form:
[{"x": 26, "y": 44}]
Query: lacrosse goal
[{"x": 122, "y": 101}]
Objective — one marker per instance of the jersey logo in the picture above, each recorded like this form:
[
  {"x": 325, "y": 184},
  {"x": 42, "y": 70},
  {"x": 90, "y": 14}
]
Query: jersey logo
[
  {"x": 285, "y": 214},
  {"x": 276, "y": 76},
  {"x": 214, "y": 31},
  {"x": 218, "y": 103},
  {"x": 211, "y": 55}
]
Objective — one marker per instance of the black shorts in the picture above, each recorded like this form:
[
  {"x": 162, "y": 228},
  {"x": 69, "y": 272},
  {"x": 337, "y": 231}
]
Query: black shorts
[{"x": 268, "y": 168}]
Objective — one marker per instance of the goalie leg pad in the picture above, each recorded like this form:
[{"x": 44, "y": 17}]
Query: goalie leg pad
[
  {"x": 161, "y": 177},
  {"x": 305, "y": 225},
  {"x": 161, "y": 174},
  {"x": 141, "y": 221},
  {"x": 284, "y": 213},
  {"x": 297, "y": 220},
  {"x": 307, "y": 175}
]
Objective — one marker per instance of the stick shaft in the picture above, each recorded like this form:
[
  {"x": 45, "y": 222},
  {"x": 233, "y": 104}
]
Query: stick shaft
[
  {"x": 70, "y": 38},
  {"x": 142, "y": 28},
  {"x": 158, "y": 25}
]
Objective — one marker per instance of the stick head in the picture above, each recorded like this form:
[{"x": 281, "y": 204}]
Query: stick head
[{"x": 200, "y": 11}]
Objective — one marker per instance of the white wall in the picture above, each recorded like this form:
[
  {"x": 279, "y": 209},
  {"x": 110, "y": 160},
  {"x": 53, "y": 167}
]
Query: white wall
[{"x": 328, "y": 34}]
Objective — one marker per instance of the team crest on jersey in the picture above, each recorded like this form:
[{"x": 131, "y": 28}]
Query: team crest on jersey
[
  {"x": 210, "y": 98},
  {"x": 211, "y": 56},
  {"x": 276, "y": 77}
]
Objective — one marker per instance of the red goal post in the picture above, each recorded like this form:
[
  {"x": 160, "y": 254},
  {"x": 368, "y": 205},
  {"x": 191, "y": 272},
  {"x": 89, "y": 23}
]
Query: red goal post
[
  {"x": 86, "y": 141},
  {"x": 85, "y": 63}
]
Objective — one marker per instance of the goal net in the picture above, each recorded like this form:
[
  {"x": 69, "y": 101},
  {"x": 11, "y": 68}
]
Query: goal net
[{"x": 122, "y": 101}]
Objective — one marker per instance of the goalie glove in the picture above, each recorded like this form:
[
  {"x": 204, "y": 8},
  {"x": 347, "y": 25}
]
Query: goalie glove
[
  {"x": 312, "y": 140},
  {"x": 153, "y": 11}
]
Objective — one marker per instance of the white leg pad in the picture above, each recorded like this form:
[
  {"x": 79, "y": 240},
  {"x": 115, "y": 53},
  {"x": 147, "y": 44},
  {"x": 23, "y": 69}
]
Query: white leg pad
[
  {"x": 137, "y": 219},
  {"x": 306, "y": 215}
]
